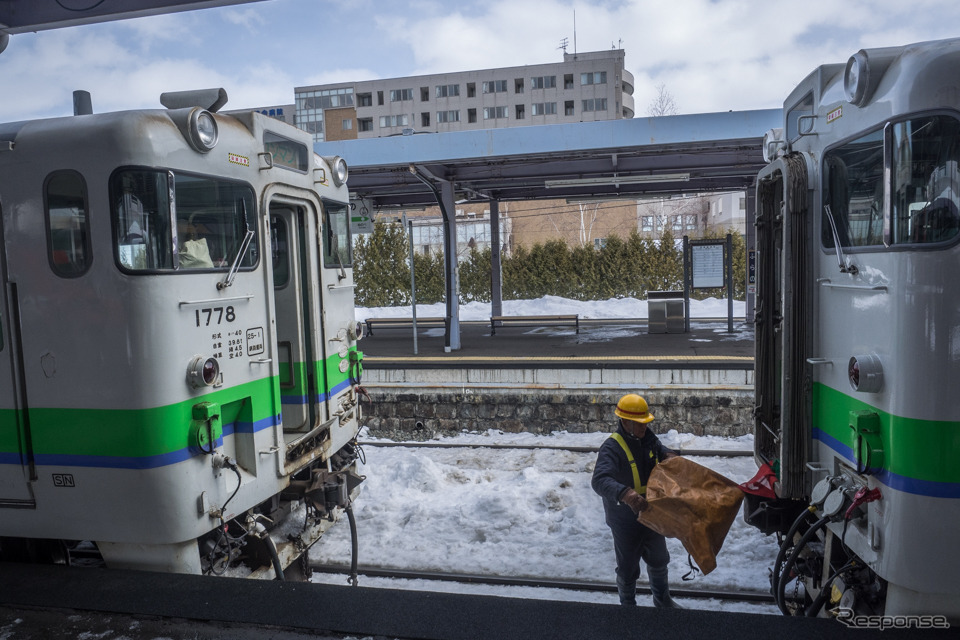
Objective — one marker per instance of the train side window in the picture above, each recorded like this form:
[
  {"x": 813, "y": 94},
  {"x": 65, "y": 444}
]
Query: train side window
[
  {"x": 925, "y": 194},
  {"x": 337, "y": 248},
  {"x": 68, "y": 225}
]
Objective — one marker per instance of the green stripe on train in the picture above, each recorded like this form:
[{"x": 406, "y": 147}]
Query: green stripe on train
[
  {"x": 135, "y": 432},
  {"x": 923, "y": 449},
  {"x": 297, "y": 386}
]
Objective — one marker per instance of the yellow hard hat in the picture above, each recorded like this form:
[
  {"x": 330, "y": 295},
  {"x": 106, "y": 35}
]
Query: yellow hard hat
[{"x": 633, "y": 407}]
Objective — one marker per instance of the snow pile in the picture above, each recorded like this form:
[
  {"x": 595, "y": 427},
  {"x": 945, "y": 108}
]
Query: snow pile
[{"x": 554, "y": 305}]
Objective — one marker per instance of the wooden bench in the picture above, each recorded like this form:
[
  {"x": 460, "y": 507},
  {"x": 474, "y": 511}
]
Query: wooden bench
[
  {"x": 534, "y": 321},
  {"x": 403, "y": 323}
]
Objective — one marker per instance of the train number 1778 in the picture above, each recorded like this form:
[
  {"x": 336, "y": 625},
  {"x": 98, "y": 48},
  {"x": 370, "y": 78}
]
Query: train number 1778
[{"x": 215, "y": 315}]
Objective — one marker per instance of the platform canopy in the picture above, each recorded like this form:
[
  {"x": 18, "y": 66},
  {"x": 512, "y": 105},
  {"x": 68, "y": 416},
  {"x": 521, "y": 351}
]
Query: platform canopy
[
  {"x": 24, "y": 16},
  {"x": 637, "y": 157}
]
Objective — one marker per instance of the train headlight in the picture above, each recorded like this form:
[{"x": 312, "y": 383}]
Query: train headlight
[
  {"x": 863, "y": 73},
  {"x": 203, "y": 372},
  {"x": 855, "y": 78},
  {"x": 340, "y": 172},
  {"x": 203, "y": 130},
  {"x": 865, "y": 373}
]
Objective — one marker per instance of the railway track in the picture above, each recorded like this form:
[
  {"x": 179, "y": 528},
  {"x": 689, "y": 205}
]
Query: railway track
[
  {"x": 575, "y": 449},
  {"x": 509, "y": 581}
]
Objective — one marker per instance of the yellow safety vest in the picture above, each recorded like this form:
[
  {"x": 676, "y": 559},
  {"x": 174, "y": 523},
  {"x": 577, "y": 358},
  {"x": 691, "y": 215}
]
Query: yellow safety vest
[{"x": 637, "y": 486}]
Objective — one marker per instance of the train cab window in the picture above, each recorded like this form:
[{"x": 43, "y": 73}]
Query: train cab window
[
  {"x": 181, "y": 222},
  {"x": 924, "y": 168},
  {"x": 925, "y": 194},
  {"x": 68, "y": 225},
  {"x": 337, "y": 248},
  {"x": 853, "y": 192}
]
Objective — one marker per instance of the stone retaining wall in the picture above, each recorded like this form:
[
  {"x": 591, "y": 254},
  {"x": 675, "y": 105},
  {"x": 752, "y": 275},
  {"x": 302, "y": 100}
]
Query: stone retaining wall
[{"x": 422, "y": 415}]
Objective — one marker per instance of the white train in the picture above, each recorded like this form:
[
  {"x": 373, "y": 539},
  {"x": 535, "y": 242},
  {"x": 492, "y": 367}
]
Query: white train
[
  {"x": 858, "y": 337},
  {"x": 178, "y": 361}
]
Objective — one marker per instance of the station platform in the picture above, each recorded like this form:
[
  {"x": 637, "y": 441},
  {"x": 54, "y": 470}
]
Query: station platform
[
  {"x": 620, "y": 343},
  {"x": 72, "y": 603}
]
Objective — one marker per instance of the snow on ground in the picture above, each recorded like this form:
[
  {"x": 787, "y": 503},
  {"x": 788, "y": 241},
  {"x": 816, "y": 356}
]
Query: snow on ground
[
  {"x": 521, "y": 512},
  {"x": 554, "y": 305},
  {"x": 528, "y": 512}
]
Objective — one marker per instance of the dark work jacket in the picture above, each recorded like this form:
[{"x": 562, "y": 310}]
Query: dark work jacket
[{"x": 612, "y": 474}]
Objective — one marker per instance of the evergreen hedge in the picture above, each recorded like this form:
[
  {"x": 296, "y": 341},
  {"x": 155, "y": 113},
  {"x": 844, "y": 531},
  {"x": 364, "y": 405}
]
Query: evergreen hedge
[{"x": 621, "y": 269}]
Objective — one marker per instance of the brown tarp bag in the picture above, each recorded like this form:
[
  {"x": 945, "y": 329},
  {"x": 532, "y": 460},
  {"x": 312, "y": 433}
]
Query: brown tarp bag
[{"x": 693, "y": 504}]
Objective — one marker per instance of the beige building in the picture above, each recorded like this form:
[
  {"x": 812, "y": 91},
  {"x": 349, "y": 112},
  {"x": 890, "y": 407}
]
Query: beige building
[{"x": 583, "y": 87}]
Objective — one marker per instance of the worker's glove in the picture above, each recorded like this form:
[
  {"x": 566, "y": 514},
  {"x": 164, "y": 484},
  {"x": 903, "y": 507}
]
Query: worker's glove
[{"x": 635, "y": 501}]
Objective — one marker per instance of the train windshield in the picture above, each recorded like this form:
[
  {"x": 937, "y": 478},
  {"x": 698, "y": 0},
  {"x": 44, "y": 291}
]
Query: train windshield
[
  {"x": 923, "y": 154},
  {"x": 175, "y": 222}
]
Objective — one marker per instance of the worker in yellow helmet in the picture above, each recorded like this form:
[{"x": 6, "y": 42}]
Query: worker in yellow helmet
[{"x": 620, "y": 478}]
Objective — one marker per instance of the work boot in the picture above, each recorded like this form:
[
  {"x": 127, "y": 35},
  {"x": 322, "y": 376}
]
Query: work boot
[
  {"x": 627, "y": 591},
  {"x": 660, "y": 588}
]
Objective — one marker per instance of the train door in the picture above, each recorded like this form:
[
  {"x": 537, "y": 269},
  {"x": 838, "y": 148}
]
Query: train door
[
  {"x": 783, "y": 319},
  {"x": 15, "y": 453},
  {"x": 294, "y": 229}
]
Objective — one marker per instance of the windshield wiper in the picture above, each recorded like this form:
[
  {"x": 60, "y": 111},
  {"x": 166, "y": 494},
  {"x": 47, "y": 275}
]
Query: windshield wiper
[
  {"x": 841, "y": 259},
  {"x": 244, "y": 246}
]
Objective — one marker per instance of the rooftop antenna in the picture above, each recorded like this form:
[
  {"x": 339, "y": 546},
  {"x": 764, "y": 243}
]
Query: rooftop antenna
[
  {"x": 563, "y": 45},
  {"x": 574, "y": 32}
]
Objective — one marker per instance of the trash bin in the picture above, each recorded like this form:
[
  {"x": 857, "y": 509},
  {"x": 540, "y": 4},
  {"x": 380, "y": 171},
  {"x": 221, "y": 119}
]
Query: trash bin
[{"x": 665, "y": 312}]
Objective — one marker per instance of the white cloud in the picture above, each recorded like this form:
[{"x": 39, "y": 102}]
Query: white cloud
[{"x": 712, "y": 55}]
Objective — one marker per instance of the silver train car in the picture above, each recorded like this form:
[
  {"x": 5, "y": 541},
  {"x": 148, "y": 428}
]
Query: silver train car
[
  {"x": 858, "y": 338},
  {"x": 179, "y": 371}
]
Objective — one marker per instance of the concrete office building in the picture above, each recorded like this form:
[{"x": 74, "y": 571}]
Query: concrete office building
[{"x": 583, "y": 88}]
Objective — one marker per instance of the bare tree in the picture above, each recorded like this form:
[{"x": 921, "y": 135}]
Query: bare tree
[{"x": 663, "y": 104}]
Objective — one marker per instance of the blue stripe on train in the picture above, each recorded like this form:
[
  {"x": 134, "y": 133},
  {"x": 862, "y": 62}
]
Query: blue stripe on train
[{"x": 906, "y": 484}]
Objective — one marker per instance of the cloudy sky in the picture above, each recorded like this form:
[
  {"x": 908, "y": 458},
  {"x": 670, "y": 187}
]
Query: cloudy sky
[{"x": 711, "y": 55}]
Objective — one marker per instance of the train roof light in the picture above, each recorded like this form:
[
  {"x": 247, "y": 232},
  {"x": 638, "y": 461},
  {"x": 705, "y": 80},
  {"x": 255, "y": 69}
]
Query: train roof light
[
  {"x": 863, "y": 72},
  {"x": 339, "y": 169},
  {"x": 203, "y": 132}
]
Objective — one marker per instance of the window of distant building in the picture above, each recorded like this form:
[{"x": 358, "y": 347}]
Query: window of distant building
[
  {"x": 595, "y": 104},
  {"x": 425, "y": 119},
  {"x": 471, "y": 115},
  {"x": 543, "y": 108},
  {"x": 401, "y": 95},
  {"x": 646, "y": 223},
  {"x": 448, "y": 90},
  {"x": 677, "y": 223},
  {"x": 364, "y": 124},
  {"x": 394, "y": 121},
  {"x": 471, "y": 89},
  {"x": 520, "y": 112},
  {"x": 568, "y": 108},
  {"x": 364, "y": 100},
  {"x": 595, "y": 77},
  {"x": 380, "y": 98},
  {"x": 690, "y": 222},
  {"x": 448, "y": 116},
  {"x": 424, "y": 94},
  {"x": 495, "y": 86},
  {"x": 494, "y": 113},
  {"x": 518, "y": 85},
  {"x": 347, "y": 124},
  {"x": 568, "y": 81},
  {"x": 544, "y": 82}
]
